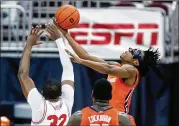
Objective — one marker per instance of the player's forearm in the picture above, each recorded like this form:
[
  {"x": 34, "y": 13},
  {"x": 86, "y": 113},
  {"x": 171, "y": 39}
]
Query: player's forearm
[
  {"x": 25, "y": 60},
  {"x": 80, "y": 51},
  {"x": 97, "y": 66},
  {"x": 76, "y": 47},
  {"x": 68, "y": 73}
]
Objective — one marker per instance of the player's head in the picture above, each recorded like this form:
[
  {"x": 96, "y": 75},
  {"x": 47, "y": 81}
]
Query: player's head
[
  {"x": 52, "y": 90},
  {"x": 132, "y": 56},
  {"x": 143, "y": 60},
  {"x": 102, "y": 90}
]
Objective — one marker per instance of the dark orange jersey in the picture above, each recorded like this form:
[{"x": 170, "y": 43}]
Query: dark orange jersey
[
  {"x": 121, "y": 94},
  {"x": 92, "y": 117}
]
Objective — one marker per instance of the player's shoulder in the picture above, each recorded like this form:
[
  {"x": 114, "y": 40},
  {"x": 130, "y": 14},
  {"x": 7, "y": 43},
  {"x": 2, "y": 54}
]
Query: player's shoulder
[
  {"x": 124, "y": 118},
  {"x": 123, "y": 114},
  {"x": 77, "y": 115},
  {"x": 75, "y": 119},
  {"x": 113, "y": 63},
  {"x": 129, "y": 68}
]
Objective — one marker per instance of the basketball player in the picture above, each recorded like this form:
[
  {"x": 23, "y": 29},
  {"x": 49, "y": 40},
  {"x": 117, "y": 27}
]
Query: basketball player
[
  {"x": 124, "y": 77},
  {"x": 101, "y": 113},
  {"x": 54, "y": 106}
]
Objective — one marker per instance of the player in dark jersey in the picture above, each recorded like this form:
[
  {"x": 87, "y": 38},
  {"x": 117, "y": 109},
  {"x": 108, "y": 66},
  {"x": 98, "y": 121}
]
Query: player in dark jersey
[{"x": 101, "y": 113}]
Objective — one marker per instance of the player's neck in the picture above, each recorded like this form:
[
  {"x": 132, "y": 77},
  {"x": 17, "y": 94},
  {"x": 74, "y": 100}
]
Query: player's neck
[
  {"x": 122, "y": 63},
  {"x": 53, "y": 100},
  {"x": 102, "y": 102},
  {"x": 101, "y": 105}
]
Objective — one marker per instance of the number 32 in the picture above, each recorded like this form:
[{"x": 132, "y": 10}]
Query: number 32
[{"x": 56, "y": 119}]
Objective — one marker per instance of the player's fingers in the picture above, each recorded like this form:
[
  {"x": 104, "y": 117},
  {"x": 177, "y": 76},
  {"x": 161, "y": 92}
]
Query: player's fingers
[
  {"x": 54, "y": 26},
  {"x": 40, "y": 33},
  {"x": 69, "y": 53},
  {"x": 31, "y": 30},
  {"x": 38, "y": 29},
  {"x": 55, "y": 21},
  {"x": 49, "y": 31},
  {"x": 49, "y": 36},
  {"x": 72, "y": 59},
  {"x": 35, "y": 29},
  {"x": 39, "y": 42},
  {"x": 50, "y": 27}
]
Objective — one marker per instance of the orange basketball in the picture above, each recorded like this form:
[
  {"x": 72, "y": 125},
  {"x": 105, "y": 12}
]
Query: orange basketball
[{"x": 67, "y": 16}]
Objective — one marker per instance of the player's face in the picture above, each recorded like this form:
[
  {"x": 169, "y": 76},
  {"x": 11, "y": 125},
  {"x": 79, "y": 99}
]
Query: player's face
[{"x": 127, "y": 56}]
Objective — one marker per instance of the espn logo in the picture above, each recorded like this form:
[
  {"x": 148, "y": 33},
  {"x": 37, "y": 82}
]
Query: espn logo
[{"x": 104, "y": 34}]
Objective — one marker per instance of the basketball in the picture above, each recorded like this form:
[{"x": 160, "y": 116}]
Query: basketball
[{"x": 67, "y": 16}]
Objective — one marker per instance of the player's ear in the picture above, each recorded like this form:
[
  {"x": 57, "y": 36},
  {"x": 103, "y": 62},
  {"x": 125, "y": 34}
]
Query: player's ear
[{"x": 136, "y": 62}]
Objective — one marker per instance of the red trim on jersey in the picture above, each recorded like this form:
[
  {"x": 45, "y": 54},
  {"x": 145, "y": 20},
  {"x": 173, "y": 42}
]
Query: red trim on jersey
[{"x": 44, "y": 114}]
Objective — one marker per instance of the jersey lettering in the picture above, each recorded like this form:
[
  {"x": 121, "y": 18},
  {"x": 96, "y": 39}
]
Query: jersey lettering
[{"x": 96, "y": 118}]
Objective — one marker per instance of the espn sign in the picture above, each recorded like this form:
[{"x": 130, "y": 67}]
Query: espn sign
[{"x": 108, "y": 33}]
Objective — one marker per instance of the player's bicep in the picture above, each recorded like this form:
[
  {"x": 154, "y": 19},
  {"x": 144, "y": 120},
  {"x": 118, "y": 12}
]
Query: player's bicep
[
  {"x": 37, "y": 104},
  {"x": 68, "y": 95},
  {"x": 94, "y": 58},
  {"x": 35, "y": 99},
  {"x": 26, "y": 84}
]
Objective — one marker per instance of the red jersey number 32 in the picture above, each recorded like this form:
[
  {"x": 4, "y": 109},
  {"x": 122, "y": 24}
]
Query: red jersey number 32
[{"x": 57, "y": 120}]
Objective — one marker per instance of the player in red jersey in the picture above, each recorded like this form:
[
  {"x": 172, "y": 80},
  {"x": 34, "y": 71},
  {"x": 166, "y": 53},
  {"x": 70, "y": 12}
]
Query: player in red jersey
[
  {"x": 54, "y": 105},
  {"x": 101, "y": 113}
]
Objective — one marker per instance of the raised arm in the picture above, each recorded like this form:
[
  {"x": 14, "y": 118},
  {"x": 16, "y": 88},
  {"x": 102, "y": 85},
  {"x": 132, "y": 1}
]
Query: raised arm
[
  {"x": 23, "y": 74},
  {"x": 125, "y": 71},
  {"x": 80, "y": 51},
  {"x": 68, "y": 74}
]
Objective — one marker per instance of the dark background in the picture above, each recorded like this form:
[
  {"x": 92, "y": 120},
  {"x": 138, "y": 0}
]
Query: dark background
[{"x": 155, "y": 102}]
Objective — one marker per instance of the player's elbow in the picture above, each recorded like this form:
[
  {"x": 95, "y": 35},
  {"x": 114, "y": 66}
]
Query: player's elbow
[{"x": 22, "y": 75}]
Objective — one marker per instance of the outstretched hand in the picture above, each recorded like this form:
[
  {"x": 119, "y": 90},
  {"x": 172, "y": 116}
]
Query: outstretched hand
[
  {"x": 73, "y": 57},
  {"x": 64, "y": 31},
  {"x": 34, "y": 35},
  {"x": 53, "y": 31}
]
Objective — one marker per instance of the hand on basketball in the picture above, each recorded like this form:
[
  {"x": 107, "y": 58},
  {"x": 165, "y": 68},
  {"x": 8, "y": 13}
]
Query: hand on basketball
[
  {"x": 73, "y": 57},
  {"x": 34, "y": 35},
  {"x": 64, "y": 31},
  {"x": 53, "y": 31}
]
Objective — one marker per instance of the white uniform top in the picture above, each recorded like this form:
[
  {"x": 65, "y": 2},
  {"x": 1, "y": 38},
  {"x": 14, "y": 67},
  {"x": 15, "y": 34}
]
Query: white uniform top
[{"x": 45, "y": 112}]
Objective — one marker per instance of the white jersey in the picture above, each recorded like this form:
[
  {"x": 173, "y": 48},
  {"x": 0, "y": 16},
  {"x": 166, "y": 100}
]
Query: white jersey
[{"x": 49, "y": 113}]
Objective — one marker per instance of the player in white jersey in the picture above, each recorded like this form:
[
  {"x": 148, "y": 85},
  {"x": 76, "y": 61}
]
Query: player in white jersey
[{"x": 54, "y": 105}]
